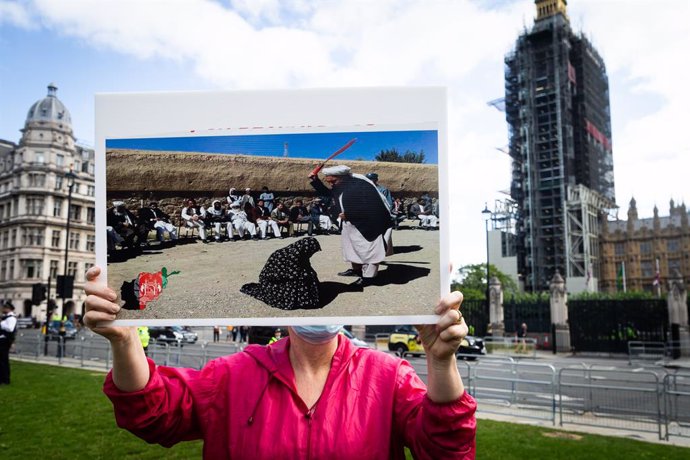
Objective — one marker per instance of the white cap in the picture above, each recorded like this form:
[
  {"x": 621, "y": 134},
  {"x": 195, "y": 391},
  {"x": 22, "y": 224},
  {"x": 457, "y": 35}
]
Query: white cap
[
  {"x": 340, "y": 170},
  {"x": 117, "y": 204}
]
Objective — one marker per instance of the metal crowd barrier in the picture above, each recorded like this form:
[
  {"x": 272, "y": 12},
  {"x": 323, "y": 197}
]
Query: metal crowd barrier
[
  {"x": 506, "y": 387},
  {"x": 646, "y": 351},
  {"x": 621, "y": 398},
  {"x": 610, "y": 398},
  {"x": 511, "y": 346},
  {"x": 676, "y": 388}
]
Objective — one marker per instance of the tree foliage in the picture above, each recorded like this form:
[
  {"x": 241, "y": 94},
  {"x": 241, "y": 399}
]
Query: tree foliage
[
  {"x": 630, "y": 295},
  {"x": 472, "y": 281},
  {"x": 393, "y": 156}
]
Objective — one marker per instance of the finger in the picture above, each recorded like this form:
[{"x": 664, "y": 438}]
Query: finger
[
  {"x": 454, "y": 333},
  {"x": 100, "y": 290},
  {"x": 92, "y": 273},
  {"x": 95, "y": 303},
  {"x": 449, "y": 301},
  {"x": 449, "y": 318},
  {"x": 93, "y": 318}
]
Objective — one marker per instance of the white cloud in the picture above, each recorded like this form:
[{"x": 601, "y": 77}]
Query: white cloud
[
  {"x": 460, "y": 44},
  {"x": 16, "y": 14}
]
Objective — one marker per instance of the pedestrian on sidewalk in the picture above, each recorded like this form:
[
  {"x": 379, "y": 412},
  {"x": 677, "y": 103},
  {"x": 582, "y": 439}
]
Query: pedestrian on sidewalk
[
  {"x": 521, "y": 335},
  {"x": 216, "y": 333},
  {"x": 313, "y": 394},
  {"x": 8, "y": 328}
]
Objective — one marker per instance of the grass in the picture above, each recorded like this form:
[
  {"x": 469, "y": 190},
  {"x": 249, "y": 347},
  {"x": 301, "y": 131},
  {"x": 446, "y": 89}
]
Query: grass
[{"x": 61, "y": 413}]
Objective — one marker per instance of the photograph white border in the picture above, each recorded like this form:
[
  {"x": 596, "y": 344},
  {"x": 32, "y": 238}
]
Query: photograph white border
[{"x": 176, "y": 114}]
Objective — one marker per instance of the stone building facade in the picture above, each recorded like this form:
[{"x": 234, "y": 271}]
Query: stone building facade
[
  {"x": 34, "y": 192},
  {"x": 640, "y": 243}
]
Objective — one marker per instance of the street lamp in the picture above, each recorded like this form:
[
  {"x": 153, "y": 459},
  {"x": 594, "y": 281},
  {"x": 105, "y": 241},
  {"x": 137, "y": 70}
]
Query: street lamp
[
  {"x": 487, "y": 217},
  {"x": 71, "y": 179}
]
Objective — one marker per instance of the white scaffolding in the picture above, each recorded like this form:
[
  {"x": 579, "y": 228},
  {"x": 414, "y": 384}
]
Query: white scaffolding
[{"x": 583, "y": 209}]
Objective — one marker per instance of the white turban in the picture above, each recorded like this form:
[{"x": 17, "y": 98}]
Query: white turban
[{"x": 340, "y": 170}]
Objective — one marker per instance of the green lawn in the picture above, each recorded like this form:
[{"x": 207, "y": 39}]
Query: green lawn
[{"x": 61, "y": 413}]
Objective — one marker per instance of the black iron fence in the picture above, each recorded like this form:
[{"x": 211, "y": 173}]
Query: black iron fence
[
  {"x": 476, "y": 314},
  {"x": 605, "y": 325},
  {"x": 535, "y": 312}
]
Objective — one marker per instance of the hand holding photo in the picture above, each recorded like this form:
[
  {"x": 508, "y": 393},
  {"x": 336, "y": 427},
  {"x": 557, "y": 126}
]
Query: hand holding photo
[{"x": 288, "y": 213}]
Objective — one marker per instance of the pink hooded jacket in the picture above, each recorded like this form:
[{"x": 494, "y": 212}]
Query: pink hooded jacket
[{"x": 246, "y": 406}]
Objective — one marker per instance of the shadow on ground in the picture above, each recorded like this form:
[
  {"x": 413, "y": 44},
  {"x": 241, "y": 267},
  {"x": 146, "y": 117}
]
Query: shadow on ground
[
  {"x": 123, "y": 255},
  {"x": 393, "y": 274}
]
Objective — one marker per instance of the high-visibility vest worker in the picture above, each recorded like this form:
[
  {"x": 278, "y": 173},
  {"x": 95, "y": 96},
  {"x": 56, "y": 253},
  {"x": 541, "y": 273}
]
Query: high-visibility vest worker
[
  {"x": 276, "y": 336},
  {"x": 144, "y": 336}
]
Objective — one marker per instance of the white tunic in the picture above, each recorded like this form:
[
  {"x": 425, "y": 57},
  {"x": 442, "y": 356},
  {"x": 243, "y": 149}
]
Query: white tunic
[{"x": 356, "y": 249}]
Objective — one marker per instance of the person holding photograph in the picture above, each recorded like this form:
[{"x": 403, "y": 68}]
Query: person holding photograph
[
  {"x": 366, "y": 221},
  {"x": 313, "y": 394},
  {"x": 194, "y": 216}
]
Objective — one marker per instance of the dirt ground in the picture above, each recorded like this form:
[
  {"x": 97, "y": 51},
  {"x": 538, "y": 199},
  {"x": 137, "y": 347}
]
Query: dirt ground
[{"x": 208, "y": 285}]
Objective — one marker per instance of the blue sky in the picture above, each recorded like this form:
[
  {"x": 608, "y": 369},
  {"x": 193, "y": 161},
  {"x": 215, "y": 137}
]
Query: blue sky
[
  {"x": 311, "y": 145},
  {"x": 89, "y": 46}
]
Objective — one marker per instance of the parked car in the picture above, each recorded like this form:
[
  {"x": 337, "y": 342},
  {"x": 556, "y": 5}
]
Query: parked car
[
  {"x": 173, "y": 334},
  {"x": 355, "y": 341},
  {"x": 165, "y": 334},
  {"x": 188, "y": 335},
  {"x": 471, "y": 347},
  {"x": 405, "y": 340},
  {"x": 54, "y": 330}
]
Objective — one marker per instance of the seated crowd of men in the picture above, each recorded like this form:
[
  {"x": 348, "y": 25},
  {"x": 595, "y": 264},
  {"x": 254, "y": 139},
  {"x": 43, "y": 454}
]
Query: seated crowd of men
[{"x": 241, "y": 217}]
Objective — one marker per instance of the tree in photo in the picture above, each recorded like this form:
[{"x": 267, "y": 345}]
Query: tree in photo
[{"x": 393, "y": 156}]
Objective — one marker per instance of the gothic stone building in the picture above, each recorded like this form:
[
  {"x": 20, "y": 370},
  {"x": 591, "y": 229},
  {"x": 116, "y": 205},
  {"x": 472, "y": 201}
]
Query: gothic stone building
[
  {"x": 34, "y": 190},
  {"x": 640, "y": 243}
]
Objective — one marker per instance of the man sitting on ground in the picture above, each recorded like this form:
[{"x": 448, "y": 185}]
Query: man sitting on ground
[
  {"x": 193, "y": 216},
  {"x": 155, "y": 219},
  {"x": 282, "y": 218},
  {"x": 263, "y": 221},
  {"x": 319, "y": 216},
  {"x": 233, "y": 196},
  {"x": 216, "y": 216},
  {"x": 398, "y": 212},
  {"x": 300, "y": 215},
  {"x": 427, "y": 219},
  {"x": 126, "y": 225},
  {"x": 240, "y": 221}
]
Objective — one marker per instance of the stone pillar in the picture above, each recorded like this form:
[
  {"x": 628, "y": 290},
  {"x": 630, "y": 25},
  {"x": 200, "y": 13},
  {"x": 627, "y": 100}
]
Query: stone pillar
[
  {"x": 496, "y": 324},
  {"x": 559, "y": 312},
  {"x": 678, "y": 314}
]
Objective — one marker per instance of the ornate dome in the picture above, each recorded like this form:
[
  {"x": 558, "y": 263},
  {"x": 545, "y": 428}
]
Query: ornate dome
[{"x": 50, "y": 109}]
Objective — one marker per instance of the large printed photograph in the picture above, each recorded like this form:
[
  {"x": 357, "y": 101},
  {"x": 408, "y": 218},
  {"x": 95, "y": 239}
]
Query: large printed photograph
[{"x": 303, "y": 227}]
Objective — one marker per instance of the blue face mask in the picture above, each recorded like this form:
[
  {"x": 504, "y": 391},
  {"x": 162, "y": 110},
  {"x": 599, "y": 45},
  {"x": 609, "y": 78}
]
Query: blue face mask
[{"x": 317, "y": 334}]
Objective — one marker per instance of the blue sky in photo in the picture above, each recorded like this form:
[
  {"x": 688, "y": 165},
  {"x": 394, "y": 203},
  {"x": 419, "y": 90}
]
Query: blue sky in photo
[{"x": 300, "y": 145}]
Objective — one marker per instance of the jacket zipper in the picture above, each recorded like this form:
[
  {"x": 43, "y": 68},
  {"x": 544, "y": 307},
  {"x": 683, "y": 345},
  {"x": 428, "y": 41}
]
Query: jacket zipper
[{"x": 309, "y": 415}]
